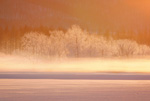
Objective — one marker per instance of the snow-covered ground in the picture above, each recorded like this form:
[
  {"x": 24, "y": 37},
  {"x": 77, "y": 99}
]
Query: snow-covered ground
[{"x": 74, "y": 90}]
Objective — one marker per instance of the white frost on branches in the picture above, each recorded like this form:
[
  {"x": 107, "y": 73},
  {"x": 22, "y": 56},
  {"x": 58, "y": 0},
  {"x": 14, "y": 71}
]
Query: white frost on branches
[{"x": 79, "y": 43}]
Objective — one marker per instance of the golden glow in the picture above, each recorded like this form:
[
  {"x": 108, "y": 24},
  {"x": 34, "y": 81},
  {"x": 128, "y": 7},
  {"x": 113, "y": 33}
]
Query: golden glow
[
  {"x": 92, "y": 14},
  {"x": 11, "y": 64}
]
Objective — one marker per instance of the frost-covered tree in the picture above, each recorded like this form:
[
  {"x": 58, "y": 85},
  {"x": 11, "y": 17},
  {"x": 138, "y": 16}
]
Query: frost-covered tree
[
  {"x": 39, "y": 44},
  {"x": 35, "y": 43},
  {"x": 77, "y": 42},
  {"x": 76, "y": 38},
  {"x": 144, "y": 50},
  {"x": 126, "y": 47},
  {"x": 58, "y": 43}
]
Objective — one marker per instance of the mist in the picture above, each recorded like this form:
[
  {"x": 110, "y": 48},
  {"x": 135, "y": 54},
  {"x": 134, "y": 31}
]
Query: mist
[
  {"x": 75, "y": 50},
  {"x": 88, "y": 65}
]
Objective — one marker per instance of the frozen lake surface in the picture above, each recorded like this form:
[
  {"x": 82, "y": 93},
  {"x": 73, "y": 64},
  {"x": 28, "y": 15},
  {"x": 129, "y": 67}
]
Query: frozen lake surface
[{"x": 73, "y": 90}]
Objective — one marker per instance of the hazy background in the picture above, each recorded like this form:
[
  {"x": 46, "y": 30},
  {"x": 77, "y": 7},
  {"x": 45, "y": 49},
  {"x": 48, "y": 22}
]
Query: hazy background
[{"x": 74, "y": 35}]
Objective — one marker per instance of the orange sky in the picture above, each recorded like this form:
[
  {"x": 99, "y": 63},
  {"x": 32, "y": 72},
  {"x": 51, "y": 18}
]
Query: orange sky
[
  {"x": 140, "y": 5},
  {"x": 96, "y": 14}
]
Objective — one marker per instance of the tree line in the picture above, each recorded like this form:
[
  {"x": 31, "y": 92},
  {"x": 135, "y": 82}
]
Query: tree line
[{"x": 11, "y": 40}]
